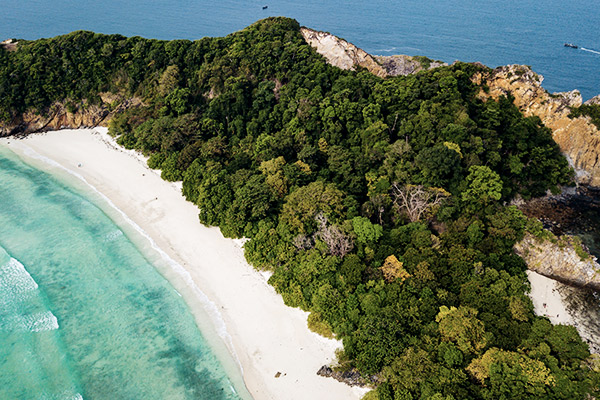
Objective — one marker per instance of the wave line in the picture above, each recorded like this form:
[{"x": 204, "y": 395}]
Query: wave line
[
  {"x": 209, "y": 306},
  {"x": 590, "y": 50}
]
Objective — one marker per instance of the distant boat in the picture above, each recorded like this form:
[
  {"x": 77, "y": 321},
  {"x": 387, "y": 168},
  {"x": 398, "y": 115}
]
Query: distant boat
[
  {"x": 571, "y": 45},
  {"x": 265, "y": 7}
]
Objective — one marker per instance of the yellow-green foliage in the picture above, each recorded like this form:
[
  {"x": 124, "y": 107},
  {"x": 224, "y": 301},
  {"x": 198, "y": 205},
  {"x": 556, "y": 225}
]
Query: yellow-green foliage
[
  {"x": 318, "y": 325},
  {"x": 461, "y": 326},
  {"x": 393, "y": 269},
  {"x": 372, "y": 395},
  {"x": 578, "y": 247},
  {"x": 533, "y": 372},
  {"x": 455, "y": 147}
]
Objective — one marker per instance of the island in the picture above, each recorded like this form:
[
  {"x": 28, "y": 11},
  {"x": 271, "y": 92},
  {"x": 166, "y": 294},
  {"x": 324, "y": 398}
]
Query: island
[{"x": 379, "y": 203}]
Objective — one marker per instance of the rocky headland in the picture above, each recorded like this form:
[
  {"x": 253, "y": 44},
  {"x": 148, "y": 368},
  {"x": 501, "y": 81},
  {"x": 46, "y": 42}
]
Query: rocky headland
[
  {"x": 345, "y": 55},
  {"x": 578, "y": 138},
  {"x": 566, "y": 259}
]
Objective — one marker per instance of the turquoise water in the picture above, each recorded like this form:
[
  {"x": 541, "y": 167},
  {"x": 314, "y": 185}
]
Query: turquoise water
[
  {"x": 83, "y": 313},
  {"x": 494, "y": 32}
]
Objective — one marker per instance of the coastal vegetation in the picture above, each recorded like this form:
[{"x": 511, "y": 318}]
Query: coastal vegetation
[
  {"x": 379, "y": 205},
  {"x": 589, "y": 110}
]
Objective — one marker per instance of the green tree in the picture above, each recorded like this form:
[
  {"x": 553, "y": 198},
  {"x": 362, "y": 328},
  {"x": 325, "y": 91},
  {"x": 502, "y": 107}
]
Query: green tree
[
  {"x": 461, "y": 326},
  {"x": 484, "y": 187},
  {"x": 303, "y": 204}
]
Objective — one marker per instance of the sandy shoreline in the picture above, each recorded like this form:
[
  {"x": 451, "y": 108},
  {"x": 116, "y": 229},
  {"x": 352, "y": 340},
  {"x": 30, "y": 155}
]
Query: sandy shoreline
[
  {"x": 563, "y": 304},
  {"x": 264, "y": 335}
]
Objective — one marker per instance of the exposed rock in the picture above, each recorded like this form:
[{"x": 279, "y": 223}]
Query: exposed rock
[
  {"x": 563, "y": 259},
  {"x": 57, "y": 116},
  {"x": 407, "y": 65},
  {"x": 341, "y": 53},
  {"x": 578, "y": 138},
  {"x": 351, "y": 378},
  {"x": 593, "y": 100},
  {"x": 9, "y": 45},
  {"x": 345, "y": 55}
]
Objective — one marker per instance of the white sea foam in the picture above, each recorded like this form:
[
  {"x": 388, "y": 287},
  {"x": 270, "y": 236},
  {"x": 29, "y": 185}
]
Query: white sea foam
[
  {"x": 14, "y": 279},
  {"x": 590, "y": 50},
  {"x": 209, "y": 306},
  {"x": 37, "y": 322},
  {"x": 67, "y": 395},
  {"x": 109, "y": 237}
]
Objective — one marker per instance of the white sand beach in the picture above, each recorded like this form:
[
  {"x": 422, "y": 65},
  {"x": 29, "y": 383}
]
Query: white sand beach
[
  {"x": 563, "y": 304},
  {"x": 279, "y": 356},
  {"x": 547, "y": 300}
]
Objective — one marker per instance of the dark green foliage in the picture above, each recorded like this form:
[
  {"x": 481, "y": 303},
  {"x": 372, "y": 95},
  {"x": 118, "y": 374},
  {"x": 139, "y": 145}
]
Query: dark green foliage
[
  {"x": 274, "y": 144},
  {"x": 590, "y": 110}
]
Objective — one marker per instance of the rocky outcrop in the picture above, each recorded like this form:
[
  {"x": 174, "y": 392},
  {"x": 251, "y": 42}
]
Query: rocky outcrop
[
  {"x": 407, "y": 65},
  {"x": 9, "y": 44},
  {"x": 345, "y": 55},
  {"x": 577, "y": 137},
  {"x": 352, "y": 377},
  {"x": 341, "y": 53},
  {"x": 59, "y": 116},
  {"x": 564, "y": 259},
  {"x": 593, "y": 100}
]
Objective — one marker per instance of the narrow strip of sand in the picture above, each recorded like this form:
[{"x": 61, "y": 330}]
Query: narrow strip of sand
[
  {"x": 566, "y": 305},
  {"x": 547, "y": 301},
  {"x": 279, "y": 356}
]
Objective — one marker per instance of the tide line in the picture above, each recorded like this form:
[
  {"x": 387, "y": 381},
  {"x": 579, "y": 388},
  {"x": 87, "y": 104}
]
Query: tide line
[
  {"x": 209, "y": 306},
  {"x": 38, "y": 322}
]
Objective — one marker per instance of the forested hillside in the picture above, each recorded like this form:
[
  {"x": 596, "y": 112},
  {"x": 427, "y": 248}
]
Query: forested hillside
[{"x": 379, "y": 205}]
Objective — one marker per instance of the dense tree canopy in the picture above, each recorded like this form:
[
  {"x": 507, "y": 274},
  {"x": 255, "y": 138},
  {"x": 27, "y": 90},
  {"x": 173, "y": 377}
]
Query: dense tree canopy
[{"x": 309, "y": 162}]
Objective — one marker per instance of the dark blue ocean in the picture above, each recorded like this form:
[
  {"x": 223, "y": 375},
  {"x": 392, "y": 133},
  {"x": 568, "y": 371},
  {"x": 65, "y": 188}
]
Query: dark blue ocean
[{"x": 494, "y": 32}]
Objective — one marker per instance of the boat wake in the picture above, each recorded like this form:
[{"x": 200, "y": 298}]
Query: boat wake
[{"x": 590, "y": 50}]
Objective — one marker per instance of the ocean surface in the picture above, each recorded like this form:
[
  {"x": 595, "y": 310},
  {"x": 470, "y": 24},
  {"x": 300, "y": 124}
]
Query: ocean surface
[
  {"x": 84, "y": 313},
  {"x": 494, "y": 32}
]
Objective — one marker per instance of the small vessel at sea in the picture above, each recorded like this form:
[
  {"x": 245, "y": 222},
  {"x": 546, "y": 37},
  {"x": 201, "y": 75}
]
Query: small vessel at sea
[
  {"x": 265, "y": 7},
  {"x": 571, "y": 45}
]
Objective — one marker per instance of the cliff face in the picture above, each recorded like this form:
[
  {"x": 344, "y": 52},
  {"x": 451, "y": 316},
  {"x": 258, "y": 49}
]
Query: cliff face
[
  {"x": 345, "y": 55},
  {"x": 578, "y": 138},
  {"x": 58, "y": 116},
  {"x": 341, "y": 53},
  {"x": 560, "y": 260}
]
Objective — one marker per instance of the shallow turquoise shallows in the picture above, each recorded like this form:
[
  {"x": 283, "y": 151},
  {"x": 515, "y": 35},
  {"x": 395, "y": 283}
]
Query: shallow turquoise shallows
[{"x": 83, "y": 313}]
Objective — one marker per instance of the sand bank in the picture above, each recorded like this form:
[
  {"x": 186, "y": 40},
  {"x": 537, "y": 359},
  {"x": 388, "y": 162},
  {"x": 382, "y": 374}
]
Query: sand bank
[{"x": 277, "y": 353}]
